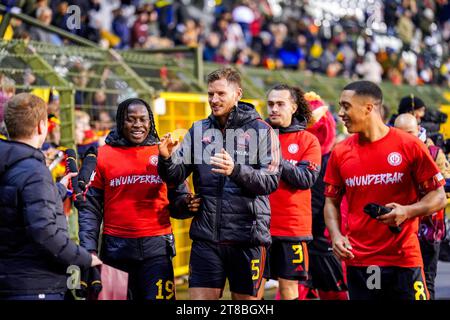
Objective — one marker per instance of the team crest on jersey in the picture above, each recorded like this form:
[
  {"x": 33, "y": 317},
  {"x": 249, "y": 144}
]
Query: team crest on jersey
[
  {"x": 153, "y": 160},
  {"x": 394, "y": 159},
  {"x": 293, "y": 148}
]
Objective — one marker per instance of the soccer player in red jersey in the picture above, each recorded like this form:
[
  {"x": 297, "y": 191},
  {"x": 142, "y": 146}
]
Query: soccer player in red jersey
[
  {"x": 291, "y": 221},
  {"x": 382, "y": 165},
  {"x": 134, "y": 205}
]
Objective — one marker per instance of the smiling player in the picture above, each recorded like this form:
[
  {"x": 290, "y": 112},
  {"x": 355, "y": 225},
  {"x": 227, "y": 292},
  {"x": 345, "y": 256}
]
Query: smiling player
[{"x": 382, "y": 165}]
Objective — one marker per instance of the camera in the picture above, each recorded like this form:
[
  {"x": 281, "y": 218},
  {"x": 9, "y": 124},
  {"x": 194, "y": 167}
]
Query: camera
[{"x": 375, "y": 210}]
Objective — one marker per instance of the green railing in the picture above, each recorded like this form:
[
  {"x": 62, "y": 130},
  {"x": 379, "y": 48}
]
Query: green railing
[{"x": 16, "y": 58}]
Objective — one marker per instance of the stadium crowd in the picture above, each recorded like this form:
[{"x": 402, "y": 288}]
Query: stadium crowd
[{"x": 401, "y": 41}]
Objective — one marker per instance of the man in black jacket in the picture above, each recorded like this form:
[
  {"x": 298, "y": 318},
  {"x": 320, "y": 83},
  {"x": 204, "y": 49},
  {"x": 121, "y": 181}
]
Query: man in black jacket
[
  {"x": 234, "y": 157},
  {"x": 35, "y": 248}
]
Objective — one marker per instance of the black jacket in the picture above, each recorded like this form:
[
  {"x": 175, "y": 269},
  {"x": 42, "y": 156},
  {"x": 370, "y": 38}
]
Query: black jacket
[
  {"x": 234, "y": 208},
  {"x": 35, "y": 248},
  {"x": 116, "y": 249},
  {"x": 318, "y": 200}
]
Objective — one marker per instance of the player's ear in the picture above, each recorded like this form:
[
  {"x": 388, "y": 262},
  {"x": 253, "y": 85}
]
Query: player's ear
[
  {"x": 370, "y": 107},
  {"x": 239, "y": 93}
]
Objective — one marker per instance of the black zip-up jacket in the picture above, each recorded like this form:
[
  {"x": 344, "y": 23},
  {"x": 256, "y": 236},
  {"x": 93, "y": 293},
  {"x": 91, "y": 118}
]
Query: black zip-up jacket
[
  {"x": 35, "y": 248},
  {"x": 233, "y": 208},
  {"x": 116, "y": 249}
]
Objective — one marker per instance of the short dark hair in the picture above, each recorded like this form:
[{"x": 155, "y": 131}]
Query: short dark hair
[
  {"x": 303, "y": 111},
  {"x": 23, "y": 113},
  {"x": 366, "y": 88},
  {"x": 230, "y": 74}
]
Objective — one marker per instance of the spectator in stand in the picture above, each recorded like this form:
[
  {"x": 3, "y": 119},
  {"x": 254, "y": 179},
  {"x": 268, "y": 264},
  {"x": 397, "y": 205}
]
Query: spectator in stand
[
  {"x": 370, "y": 69},
  {"x": 139, "y": 31},
  {"x": 7, "y": 90},
  {"x": 251, "y": 34},
  {"x": 406, "y": 28},
  {"x": 211, "y": 47},
  {"x": 44, "y": 15},
  {"x": 120, "y": 29},
  {"x": 244, "y": 16},
  {"x": 60, "y": 17},
  {"x": 191, "y": 33}
]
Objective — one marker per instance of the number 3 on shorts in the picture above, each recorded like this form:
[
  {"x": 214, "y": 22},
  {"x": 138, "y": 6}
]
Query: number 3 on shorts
[
  {"x": 298, "y": 250},
  {"x": 255, "y": 267}
]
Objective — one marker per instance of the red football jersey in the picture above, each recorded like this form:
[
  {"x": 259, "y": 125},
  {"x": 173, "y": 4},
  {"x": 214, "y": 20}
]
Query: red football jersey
[
  {"x": 291, "y": 208},
  {"x": 135, "y": 197},
  {"x": 392, "y": 169}
]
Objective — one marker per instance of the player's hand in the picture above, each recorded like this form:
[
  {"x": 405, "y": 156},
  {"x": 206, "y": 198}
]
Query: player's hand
[
  {"x": 167, "y": 146},
  {"x": 193, "y": 202},
  {"x": 65, "y": 180},
  {"x": 95, "y": 260},
  {"x": 342, "y": 247},
  {"x": 396, "y": 217},
  {"x": 318, "y": 113},
  {"x": 223, "y": 162}
]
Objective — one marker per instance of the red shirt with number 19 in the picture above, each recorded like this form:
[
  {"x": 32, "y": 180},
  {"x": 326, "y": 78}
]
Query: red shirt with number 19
[{"x": 395, "y": 168}]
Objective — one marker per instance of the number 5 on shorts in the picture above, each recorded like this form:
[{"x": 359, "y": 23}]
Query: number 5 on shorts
[
  {"x": 255, "y": 267},
  {"x": 298, "y": 250}
]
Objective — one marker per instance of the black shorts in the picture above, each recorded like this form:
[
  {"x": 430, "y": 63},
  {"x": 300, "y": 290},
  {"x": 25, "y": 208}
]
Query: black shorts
[
  {"x": 386, "y": 283},
  {"x": 211, "y": 264},
  {"x": 149, "y": 279},
  {"x": 325, "y": 269},
  {"x": 288, "y": 260}
]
